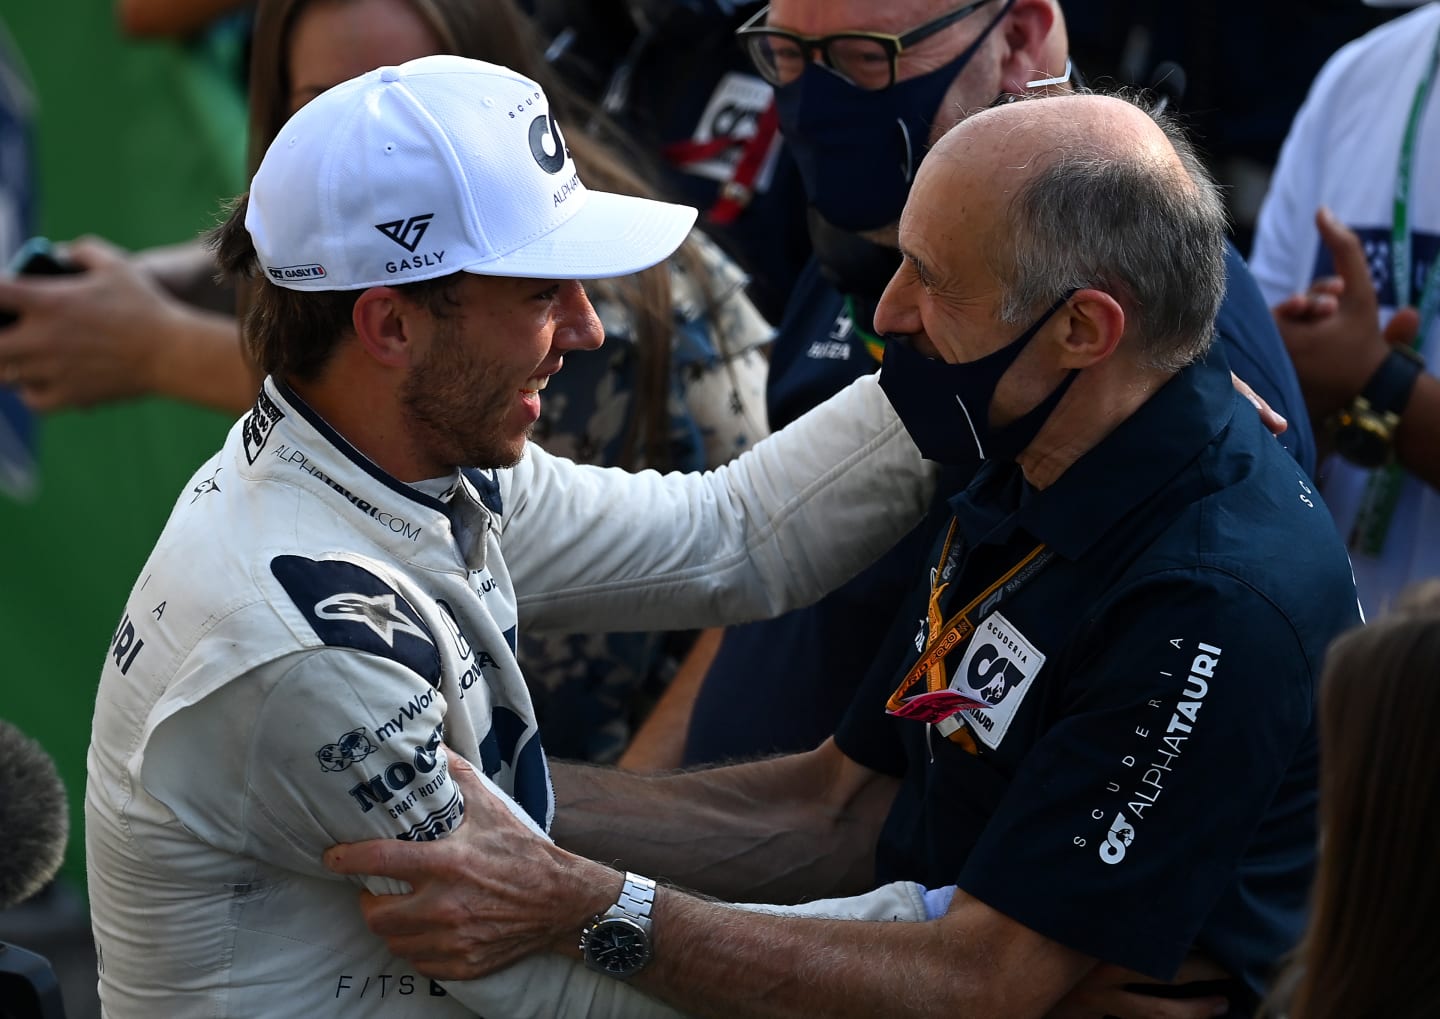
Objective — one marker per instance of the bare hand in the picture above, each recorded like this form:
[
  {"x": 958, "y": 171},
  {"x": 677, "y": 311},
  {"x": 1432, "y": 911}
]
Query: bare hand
[
  {"x": 1269, "y": 416},
  {"x": 491, "y": 893},
  {"x": 1333, "y": 333},
  {"x": 85, "y": 339},
  {"x": 1104, "y": 993}
]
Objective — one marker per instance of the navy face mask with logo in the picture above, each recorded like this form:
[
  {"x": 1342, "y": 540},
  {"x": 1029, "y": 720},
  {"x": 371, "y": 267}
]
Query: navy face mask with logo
[
  {"x": 946, "y": 407},
  {"x": 858, "y": 150}
]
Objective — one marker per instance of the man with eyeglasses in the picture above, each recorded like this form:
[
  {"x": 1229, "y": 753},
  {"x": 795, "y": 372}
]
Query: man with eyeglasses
[{"x": 1093, "y": 712}]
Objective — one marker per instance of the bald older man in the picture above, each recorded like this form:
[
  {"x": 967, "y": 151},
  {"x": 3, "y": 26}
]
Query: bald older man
[{"x": 1095, "y": 716}]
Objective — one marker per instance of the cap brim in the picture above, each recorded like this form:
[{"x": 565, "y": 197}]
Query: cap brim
[{"x": 611, "y": 235}]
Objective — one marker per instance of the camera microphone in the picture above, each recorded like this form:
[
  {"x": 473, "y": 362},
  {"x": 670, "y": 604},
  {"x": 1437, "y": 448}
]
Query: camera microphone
[{"x": 34, "y": 817}]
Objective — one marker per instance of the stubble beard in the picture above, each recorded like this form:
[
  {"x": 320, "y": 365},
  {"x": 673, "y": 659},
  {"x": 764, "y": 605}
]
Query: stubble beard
[{"x": 457, "y": 409}]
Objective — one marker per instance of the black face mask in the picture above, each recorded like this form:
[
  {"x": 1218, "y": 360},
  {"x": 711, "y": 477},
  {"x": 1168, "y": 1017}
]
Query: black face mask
[
  {"x": 857, "y": 149},
  {"x": 946, "y": 407},
  {"x": 851, "y": 264}
]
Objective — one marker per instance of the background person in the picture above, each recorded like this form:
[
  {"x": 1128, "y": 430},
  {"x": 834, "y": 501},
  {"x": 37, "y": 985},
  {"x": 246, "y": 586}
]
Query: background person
[
  {"x": 1375, "y": 890},
  {"x": 1360, "y": 147}
]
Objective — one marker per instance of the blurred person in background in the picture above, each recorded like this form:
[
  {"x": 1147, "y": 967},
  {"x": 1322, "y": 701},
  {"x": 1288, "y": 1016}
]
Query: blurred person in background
[
  {"x": 1369, "y": 950},
  {"x": 1348, "y": 254}
]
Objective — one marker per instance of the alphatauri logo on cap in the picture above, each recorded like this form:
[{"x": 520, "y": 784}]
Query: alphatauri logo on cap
[
  {"x": 407, "y": 232},
  {"x": 542, "y": 127}
]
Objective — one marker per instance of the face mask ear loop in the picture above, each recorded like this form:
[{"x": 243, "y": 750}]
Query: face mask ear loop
[
  {"x": 1061, "y": 80},
  {"x": 909, "y": 151}
]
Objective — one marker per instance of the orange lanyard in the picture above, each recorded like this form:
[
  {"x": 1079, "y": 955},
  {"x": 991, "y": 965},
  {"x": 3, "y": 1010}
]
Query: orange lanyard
[{"x": 944, "y": 636}]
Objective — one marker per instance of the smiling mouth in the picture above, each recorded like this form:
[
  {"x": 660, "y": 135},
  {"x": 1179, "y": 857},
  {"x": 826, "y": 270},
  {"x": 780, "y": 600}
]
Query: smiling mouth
[{"x": 533, "y": 386}]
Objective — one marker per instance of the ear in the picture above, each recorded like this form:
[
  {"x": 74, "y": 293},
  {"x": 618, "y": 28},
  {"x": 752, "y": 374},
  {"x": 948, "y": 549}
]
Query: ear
[
  {"x": 1026, "y": 32},
  {"x": 384, "y": 324},
  {"x": 1093, "y": 325}
]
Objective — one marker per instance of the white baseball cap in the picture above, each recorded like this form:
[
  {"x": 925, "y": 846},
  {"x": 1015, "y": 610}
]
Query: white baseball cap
[{"x": 439, "y": 165}]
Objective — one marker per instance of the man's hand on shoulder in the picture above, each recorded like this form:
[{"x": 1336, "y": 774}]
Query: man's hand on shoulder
[
  {"x": 495, "y": 890},
  {"x": 1269, "y": 416}
]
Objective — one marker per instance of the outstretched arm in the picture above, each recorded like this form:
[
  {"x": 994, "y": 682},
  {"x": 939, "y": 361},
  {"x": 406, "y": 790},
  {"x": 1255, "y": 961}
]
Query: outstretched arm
[
  {"x": 784, "y": 829},
  {"x": 486, "y": 898},
  {"x": 111, "y": 333}
]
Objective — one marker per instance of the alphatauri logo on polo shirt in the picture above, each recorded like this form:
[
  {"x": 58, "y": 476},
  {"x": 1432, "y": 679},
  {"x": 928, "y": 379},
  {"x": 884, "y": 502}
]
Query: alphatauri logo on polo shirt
[{"x": 999, "y": 668}]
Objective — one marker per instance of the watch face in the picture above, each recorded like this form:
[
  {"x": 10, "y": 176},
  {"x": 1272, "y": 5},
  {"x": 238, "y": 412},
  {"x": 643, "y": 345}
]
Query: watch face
[
  {"x": 617, "y": 945},
  {"x": 1364, "y": 442}
]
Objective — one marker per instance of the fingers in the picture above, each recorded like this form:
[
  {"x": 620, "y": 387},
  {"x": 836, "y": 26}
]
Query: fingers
[
  {"x": 1402, "y": 328},
  {"x": 19, "y": 296},
  {"x": 1308, "y": 307},
  {"x": 395, "y": 916},
  {"x": 1199, "y": 967},
  {"x": 40, "y": 396},
  {"x": 1346, "y": 251},
  {"x": 28, "y": 295},
  {"x": 388, "y": 857},
  {"x": 91, "y": 252},
  {"x": 465, "y": 775},
  {"x": 406, "y": 861},
  {"x": 30, "y": 376},
  {"x": 1176, "y": 1008},
  {"x": 1269, "y": 416}
]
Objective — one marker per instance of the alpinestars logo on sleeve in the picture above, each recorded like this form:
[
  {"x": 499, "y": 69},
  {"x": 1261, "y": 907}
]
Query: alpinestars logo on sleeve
[
  {"x": 376, "y": 611},
  {"x": 407, "y": 232},
  {"x": 210, "y": 484}
]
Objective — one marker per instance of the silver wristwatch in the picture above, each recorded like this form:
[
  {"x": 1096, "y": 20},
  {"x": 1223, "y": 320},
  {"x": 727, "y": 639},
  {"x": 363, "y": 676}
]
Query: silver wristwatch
[{"x": 617, "y": 941}]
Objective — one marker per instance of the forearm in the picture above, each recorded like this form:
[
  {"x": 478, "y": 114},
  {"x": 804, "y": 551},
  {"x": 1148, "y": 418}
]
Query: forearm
[
  {"x": 779, "y": 830},
  {"x": 714, "y": 960},
  {"x": 746, "y": 541},
  {"x": 198, "y": 359},
  {"x": 188, "y": 273},
  {"x": 1415, "y": 439}
]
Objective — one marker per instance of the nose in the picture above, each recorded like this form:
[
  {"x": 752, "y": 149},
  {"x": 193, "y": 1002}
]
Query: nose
[
  {"x": 898, "y": 312},
  {"x": 578, "y": 326}
]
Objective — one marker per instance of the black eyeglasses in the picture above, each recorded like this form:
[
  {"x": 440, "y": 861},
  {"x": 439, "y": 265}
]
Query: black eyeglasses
[{"x": 867, "y": 60}]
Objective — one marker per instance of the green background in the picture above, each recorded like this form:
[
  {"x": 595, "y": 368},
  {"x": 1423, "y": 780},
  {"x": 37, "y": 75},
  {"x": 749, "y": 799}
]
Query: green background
[{"x": 139, "y": 143}]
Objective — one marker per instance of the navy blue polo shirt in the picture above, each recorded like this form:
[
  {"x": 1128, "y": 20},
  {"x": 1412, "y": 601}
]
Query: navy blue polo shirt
[{"x": 1142, "y": 776}]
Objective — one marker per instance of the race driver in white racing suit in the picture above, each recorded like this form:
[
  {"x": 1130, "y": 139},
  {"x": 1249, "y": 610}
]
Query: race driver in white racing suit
[{"x": 312, "y": 636}]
